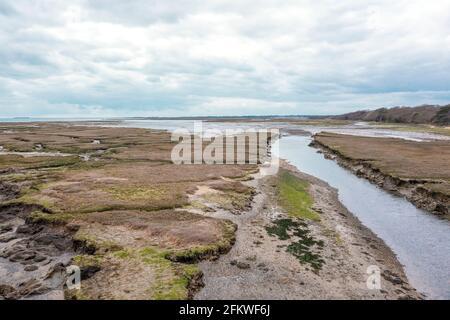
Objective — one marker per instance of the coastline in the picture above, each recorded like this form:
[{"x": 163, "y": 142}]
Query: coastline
[
  {"x": 258, "y": 267},
  {"x": 412, "y": 189}
]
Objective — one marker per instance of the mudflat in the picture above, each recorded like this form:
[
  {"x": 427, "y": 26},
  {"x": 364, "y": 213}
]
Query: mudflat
[
  {"x": 111, "y": 202},
  {"x": 418, "y": 170}
]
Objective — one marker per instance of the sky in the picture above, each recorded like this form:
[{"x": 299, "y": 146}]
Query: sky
[{"x": 108, "y": 58}]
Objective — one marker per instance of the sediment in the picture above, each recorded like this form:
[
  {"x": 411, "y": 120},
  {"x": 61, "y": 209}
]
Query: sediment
[
  {"x": 261, "y": 265},
  {"x": 33, "y": 256}
]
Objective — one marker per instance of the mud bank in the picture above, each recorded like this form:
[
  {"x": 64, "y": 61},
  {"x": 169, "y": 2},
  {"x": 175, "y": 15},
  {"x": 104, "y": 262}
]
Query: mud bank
[
  {"x": 412, "y": 189},
  {"x": 269, "y": 259},
  {"x": 33, "y": 256}
]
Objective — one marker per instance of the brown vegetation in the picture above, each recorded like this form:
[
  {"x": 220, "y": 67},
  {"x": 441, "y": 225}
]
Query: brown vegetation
[
  {"x": 418, "y": 170},
  {"x": 439, "y": 115},
  {"x": 120, "y": 199}
]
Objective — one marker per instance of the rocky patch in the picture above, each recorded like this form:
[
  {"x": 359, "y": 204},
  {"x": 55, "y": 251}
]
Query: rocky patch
[{"x": 33, "y": 257}]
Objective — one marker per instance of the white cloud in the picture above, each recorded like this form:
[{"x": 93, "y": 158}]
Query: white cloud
[{"x": 220, "y": 57}]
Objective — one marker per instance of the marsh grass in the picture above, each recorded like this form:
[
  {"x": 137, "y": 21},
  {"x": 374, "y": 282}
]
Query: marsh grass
[
  {"x": 293, "y": 196},
  {"x": 172, "y": 280},
  {"x": 210, "y": 251},
  {"x": 124, "y": 189},
  {"x": 137, "y": 193}
]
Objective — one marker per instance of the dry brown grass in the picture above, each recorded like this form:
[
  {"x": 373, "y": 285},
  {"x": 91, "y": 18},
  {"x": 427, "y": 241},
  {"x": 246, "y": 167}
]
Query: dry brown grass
[
  {"x": 397, "y": 157},
  {"x": 123, "y": 203},
  {"x": 166, "y": 229}
]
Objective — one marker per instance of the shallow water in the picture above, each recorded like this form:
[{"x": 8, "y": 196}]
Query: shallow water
[
  {"x": 355, "y": 129},
  {"x": 420, "y": 240},
  {"x": 368, "y": 131},
  {"x": 35, "y": 154}
]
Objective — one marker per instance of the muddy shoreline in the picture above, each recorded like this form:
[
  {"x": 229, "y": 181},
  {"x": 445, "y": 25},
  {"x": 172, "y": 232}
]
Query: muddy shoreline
[
  {"x": 258, "y": 266},
  {"x": 33, "y": 256},
  {"x": 412, "y": 189}
]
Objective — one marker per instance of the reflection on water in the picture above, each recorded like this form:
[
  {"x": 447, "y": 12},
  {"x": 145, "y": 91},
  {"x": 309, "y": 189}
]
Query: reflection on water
[
  {"x": 355, "y": 129},
  {"x": 420, "y": 240}
]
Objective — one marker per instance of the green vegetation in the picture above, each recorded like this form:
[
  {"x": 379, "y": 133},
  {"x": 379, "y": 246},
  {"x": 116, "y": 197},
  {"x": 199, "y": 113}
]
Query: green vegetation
[
  {"x": 198, "y": 253},
  {"x": 51, "y": 218},
  {"x": 86, "y": 260},
  {"x": 172, "y": 280},
  {"x": 198, "y": 205},
  {"x": 57, "y": 162},
  {"x": 137, "y": 193},
  {"x": 442, "y": 117},
  {"x": 32, "y": 198},
  {"x": 305, "y": 248},
  {"x": 293, "y": 196},
  {"x": 91, "y": 242},
  {"x": 230, "y": 200},
  {"x": 281, "y": 227},
  {"x": 39, "y": 162},
  {"x": 112, "y": 205}
]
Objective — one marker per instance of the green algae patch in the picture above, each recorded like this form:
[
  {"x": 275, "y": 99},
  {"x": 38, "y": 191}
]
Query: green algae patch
[
  {"x": 293, "y": 196},
  {"x": 303, "y": 246},
  {"x": 281, "y": 227}
]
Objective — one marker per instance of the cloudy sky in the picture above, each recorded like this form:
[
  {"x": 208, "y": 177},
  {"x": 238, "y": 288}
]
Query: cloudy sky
[{"x": 225, "y": 57}]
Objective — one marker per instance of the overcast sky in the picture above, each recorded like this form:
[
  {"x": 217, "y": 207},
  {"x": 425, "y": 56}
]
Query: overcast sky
[{"x": 169, "y": 58}]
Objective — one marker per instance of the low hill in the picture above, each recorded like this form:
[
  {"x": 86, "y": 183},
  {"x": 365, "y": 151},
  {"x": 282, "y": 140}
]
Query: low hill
[{"x": 438, "y": 115}]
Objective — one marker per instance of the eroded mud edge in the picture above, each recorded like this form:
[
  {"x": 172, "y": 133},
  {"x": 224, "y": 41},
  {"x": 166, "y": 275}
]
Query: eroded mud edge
[{"x": 434, "y": 202}]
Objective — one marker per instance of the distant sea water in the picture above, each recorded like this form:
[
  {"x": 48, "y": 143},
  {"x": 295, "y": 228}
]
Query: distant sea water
[
  {"x": 29, "y": 119},
  {"x": 146, "y": 119}
]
